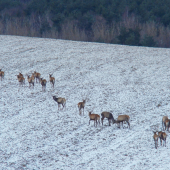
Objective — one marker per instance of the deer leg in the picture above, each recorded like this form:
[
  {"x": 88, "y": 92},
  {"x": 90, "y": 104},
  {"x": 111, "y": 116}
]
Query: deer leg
[
  {"x": 102, "y": 121},
  {"x": 128, "y": 124}
]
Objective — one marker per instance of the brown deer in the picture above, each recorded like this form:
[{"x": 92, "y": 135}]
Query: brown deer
[
  {"x": 43, "y": 83},
  {"x": 155, "y": 138},
  {"x": 121, "y": 119},
  {"x": 61, "y": 101},
  {"x": 163, "y": 121},
  {"x": 52, "y": 80},
  {"x": 109, "y": 116},
  {"x": 30, "y": 81},
  {"x": 1, "y": 74},
  {"x": 162, "y": 136},
  {"x": 21, "y": 79},
  {"x": 37, "y": 76},
  {"x": 81, "y": 106},
  {"x": 167, "y": 124},
  {"x": 95, "y": 118}
]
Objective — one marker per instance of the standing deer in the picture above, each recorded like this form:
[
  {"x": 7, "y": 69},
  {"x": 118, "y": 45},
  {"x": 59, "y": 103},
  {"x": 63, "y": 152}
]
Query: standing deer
[
  {"x": 30, "y": 81},
  {"x": 81, "y": 106},
  {"x": 162, "y": 136},
  {"x": 37, "y": 76},
  {"x": 167, "y": 124},
  {"x": 52, "y": 80},
  {"x": 43, "y": 83},
  {"x": 95, "y": 118},
  {"x": 21, "y": 79},
  {"x": 163, "y": 121},
  {"x": 1, "y": 74},
  {"x": 155, "y": 138},
  {"x": 61, "y": 101}
]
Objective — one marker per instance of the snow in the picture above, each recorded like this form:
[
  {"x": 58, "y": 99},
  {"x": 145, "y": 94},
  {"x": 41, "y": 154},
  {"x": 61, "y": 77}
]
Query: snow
[{"x": 120, "y": 79}]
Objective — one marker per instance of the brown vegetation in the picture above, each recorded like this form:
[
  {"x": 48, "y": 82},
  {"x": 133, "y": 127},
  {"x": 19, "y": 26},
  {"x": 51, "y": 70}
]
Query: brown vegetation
[{"x": 101, "y": 31}]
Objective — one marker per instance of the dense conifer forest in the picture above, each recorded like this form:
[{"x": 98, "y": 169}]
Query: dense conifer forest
[{"x": 129, "y": 22}]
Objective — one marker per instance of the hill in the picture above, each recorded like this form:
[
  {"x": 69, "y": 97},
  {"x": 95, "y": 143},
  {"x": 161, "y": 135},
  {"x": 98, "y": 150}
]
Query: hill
[{"x": 121, "y": 79}]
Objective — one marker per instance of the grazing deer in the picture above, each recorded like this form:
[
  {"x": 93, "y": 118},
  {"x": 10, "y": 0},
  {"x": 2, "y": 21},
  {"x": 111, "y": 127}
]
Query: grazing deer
[
  {"x": 81, "y": 106},
  {"x": 43, "y": 83},
  {"x": 122, "y": 118},
  {"x": 61, "y": 101},
  {"x": 162, "y": 136},
  {"x": 109, "y": 116},
  {"x": 37, "y": 76},
  {"x": 52, "y": 80},
  {"x": 155, "y": 138},
  {"x": 1, "y": 74},
  {"x": 30, "y": 81},
  {"x": 163, "y": 122},
  {"x": 95, "y": 118}
]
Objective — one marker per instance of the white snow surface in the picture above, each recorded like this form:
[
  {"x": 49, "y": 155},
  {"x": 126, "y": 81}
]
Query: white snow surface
[{"x": 34, "y": 134}]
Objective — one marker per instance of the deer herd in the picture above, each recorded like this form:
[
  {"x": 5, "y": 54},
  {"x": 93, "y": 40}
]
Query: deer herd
[
  {"x": 92, "y": 117},
  {"x": 35, "y": 76}
]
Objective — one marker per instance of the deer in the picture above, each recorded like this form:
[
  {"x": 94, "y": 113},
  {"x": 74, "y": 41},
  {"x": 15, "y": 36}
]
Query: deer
[
  {"x": 109, "y": 116},
  {"x": 1, "y": 74},
  {"x": 95, "y": 118},
  {"x": 167, "y": 124},
  {"x": 122, "y": 118},
  {"x": 81, "y": 106},
  {"x": 155, "y": 138},
  {"x": 43, "y": 83},
  {"x": 61, "y": 101},
  {"x": 37, "y": 76},
  {"x": 19, "y": 75},
  {"x": 21, "y": 79},
  {"x": 163, "y": 121},
  {"x": 52, "y": 80},
  {"x": 162, "y": 136},
  {"x": 30, "y": 80}
]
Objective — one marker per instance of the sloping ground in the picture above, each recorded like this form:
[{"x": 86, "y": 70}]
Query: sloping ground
[{"x": 34, "y": 134}]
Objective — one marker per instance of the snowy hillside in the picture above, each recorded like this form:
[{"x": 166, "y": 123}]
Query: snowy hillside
[{"x": 120, "y": 79}]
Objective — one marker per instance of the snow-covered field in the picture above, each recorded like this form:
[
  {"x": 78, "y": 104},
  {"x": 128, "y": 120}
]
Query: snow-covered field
[{"x": 120, "y": 79}]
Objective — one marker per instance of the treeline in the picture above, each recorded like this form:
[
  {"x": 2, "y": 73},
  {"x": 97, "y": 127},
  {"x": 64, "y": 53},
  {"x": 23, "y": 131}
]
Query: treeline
[{"x": 129, "y": 22}]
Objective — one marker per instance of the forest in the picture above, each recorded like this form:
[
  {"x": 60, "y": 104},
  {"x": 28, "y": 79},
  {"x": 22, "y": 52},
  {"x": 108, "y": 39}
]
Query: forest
[{"x": 126, "y": 22}]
